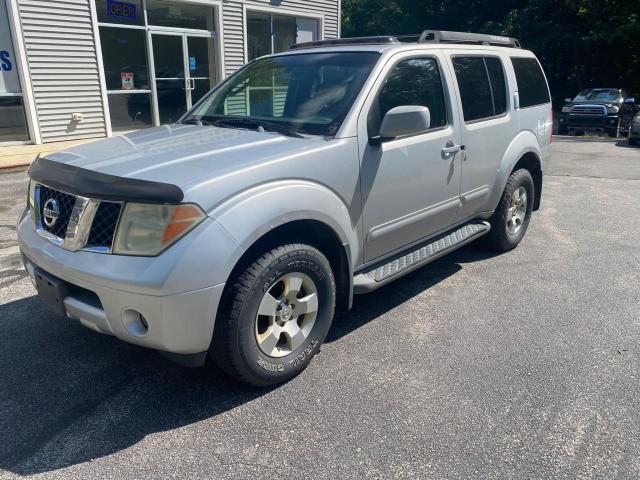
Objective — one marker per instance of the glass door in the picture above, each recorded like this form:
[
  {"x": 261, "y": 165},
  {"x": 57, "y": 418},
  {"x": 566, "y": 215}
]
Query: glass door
[
  {"x": 171, "y": 79},
  {"x": 201, "y": 67},
  {"x": 184, "y": 71}
]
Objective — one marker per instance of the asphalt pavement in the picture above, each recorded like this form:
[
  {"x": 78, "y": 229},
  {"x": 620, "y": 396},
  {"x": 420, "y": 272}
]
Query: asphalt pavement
[{"x": 520, "y": 365}]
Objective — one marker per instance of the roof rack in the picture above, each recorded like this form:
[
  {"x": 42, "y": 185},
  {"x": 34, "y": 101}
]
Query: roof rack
[
  {"x": 427, "y": 36},
  {"x": 441, "y": 36},
  {"x": 379, "y": 40}
]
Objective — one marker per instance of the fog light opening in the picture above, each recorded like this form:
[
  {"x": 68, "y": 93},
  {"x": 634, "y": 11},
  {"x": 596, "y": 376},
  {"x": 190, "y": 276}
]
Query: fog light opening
[{"x": 135, "y": 323}]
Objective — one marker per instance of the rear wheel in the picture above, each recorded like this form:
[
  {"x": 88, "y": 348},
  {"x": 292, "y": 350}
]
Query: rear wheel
[
  {"x": 511, "y": 219},
  {"x": 633, "y": 141},
  {"x": 275, "y": 316}
]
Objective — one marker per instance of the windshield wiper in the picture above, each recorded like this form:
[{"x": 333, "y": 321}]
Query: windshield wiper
[
  {"x": 250, "y": 123},
  {"x": 196, "y": 121}
]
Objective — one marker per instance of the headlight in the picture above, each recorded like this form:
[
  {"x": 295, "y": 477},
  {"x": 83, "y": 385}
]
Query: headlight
[
  {"x": 566, "y": 109},
  {"x": 149, "y": 229},
  {"x": 612, "y": 109}
]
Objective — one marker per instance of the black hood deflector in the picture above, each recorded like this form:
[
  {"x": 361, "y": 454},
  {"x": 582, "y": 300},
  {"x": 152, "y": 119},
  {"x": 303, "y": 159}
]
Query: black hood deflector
[{"x": 102, "y": 186}]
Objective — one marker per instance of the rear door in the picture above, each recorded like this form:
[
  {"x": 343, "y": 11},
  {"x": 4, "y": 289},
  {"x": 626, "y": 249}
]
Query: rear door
[
  {"x": 410, "y": 188},
  {"x": 488, "y": 123}
]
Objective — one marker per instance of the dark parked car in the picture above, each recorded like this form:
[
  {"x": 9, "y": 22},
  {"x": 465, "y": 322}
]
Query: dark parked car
[
  {"x": 634, "y": 131},
  {"x": 605, "y": 109}
]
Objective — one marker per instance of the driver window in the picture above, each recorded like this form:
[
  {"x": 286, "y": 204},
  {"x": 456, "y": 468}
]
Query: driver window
[{"x": 416, "y": 81}]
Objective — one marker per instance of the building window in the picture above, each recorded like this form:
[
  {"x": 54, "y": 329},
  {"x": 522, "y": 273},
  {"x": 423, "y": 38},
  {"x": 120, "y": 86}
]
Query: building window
[
  {"x": 181, "y": 36},
  {"x": 124, "y": 55},
  {"x": 268, "y": 33},
  {"x": 179, "y": 15},
  {"x": 13, "y": 123},
  {"x": 124, "y": 12}
]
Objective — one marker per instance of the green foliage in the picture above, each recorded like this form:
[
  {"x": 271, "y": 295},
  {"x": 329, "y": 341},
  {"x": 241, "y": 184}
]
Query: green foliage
[{"x": 581, "y": 43}]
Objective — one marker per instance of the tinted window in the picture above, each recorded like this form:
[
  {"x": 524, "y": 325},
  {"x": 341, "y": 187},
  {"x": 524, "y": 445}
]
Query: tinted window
[
  {"x": 411, "y": 82},
  {"x": 532, "y": 87},
  {"x": 498, "y": 85},
  {"x": 475, "y": 89}
]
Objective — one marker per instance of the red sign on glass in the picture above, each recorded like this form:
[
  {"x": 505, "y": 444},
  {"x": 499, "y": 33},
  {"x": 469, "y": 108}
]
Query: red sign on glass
[{"x": 127, "y": 80}]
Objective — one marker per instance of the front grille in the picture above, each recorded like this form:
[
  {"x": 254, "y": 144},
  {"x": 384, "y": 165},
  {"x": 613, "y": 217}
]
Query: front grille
[
  {"x": 589, "y": 110},
  {"x": 104, "y": 225},
  {"x": 101, "y": 231},
  {"x": 66, "y": 202}
]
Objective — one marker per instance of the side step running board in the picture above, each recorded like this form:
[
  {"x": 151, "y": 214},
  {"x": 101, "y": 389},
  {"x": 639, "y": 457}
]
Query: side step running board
[{"x": 380, "y": 275}]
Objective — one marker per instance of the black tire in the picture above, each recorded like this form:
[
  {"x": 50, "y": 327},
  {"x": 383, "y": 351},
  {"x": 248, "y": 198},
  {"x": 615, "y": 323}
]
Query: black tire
[
  {"x": 632, "y": 141},
  {"x": 499, "y": 237},
  {"x": 612, "y": 132},
  {"x": 563, "y": 131},
  {"x": 235, "y": 348}
]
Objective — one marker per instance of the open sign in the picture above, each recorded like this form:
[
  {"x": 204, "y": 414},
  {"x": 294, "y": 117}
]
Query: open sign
[{"x": 122, "y": 10}]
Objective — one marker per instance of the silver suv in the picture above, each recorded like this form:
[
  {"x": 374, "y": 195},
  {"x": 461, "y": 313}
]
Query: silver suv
[{"x": 303, "y": 179}]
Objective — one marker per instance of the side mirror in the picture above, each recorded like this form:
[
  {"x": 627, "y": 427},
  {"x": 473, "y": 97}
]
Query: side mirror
[
  {"x": 402, "y": 121},
  {"x": 568, "y": 100},
  {"x": 630, "y": 100}
]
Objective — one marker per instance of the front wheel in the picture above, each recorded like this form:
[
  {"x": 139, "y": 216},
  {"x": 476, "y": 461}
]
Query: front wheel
[
  {"x": 510, "y": 220},
  {"x": 275, "y": 316}
]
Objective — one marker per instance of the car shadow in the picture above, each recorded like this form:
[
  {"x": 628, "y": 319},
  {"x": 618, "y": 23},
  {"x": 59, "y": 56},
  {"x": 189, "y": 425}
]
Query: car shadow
[
  {"x": 70, "y": 395},
  {"x": 624, "y": 143}
]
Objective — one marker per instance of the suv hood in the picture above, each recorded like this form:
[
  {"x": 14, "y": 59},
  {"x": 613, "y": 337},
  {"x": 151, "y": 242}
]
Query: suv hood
[
  {"x": 182, "y": 154},
  {"x": 593, "y": 102}
]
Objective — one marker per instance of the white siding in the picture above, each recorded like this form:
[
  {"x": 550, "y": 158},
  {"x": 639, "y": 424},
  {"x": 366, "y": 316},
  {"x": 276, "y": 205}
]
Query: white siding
[
  {"x": 233, "y": 23},
  {"x": 61, "y": 56}
]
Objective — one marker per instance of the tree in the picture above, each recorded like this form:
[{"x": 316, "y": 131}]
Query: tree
[{"x": 580, "y": 43}]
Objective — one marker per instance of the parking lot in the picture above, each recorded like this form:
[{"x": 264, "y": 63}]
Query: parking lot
[{"x": 520, "y": 365}]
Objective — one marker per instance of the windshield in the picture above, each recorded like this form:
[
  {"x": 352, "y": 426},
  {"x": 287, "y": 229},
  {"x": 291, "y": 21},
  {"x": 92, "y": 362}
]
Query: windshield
[
  {"x": 598, "y": 95},
  {"x": 305, "y": 93}
]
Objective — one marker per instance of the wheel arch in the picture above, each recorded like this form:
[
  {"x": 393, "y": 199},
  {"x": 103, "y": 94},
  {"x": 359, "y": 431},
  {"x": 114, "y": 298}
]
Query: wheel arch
[
  {"x": 316, "y": 234},
  {"x": 531, "y": 162},
  {"x": 523, "y": 152},
  {"x": 260, "y": 219}
]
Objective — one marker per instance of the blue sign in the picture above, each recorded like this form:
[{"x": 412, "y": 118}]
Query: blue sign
[
  {"x": 123, "y": 10},
  {"x": 192, "y": 63},
  {"x": 5, "y": 61}
]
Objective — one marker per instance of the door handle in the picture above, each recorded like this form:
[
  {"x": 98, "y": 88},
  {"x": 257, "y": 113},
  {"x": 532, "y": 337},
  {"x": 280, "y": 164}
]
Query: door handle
[{"x": 450, "y": 149}]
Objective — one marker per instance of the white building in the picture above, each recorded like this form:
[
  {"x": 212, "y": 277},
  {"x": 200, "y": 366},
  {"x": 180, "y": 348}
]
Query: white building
[{"x": 75, "y": 69}]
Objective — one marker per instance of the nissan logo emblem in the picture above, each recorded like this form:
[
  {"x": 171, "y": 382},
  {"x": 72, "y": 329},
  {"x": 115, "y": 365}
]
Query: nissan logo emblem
[{"x": 50, "y": 212}]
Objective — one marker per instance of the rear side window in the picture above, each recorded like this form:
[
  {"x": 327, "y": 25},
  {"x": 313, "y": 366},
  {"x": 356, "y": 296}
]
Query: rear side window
[
  {"x": 498, "y": 84},
  {"x": 532, "y": 86},
  {"x": 482, "y": 87},
  {"x": 416, "y": 81}
]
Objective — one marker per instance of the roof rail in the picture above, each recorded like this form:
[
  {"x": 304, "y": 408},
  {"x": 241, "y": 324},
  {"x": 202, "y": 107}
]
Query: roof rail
[
  {"x": 385, "y": 39},
  {"x": 441, "y": 36},
  {"x": 428, "y": 36}
]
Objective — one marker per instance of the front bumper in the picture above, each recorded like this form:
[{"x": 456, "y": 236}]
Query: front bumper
[
  {"x": 176, "y": 294},
  {"x": 595, "y": 122}
]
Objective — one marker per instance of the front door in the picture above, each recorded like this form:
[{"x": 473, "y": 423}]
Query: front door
[
  {"x": 183, "y": 69},
  {"x": 410, "y": 186}
]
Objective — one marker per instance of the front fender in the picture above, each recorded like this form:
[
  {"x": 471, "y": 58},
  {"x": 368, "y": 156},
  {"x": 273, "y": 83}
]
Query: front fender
[
  {"x": 526, "y": 142},
  {"x": 254, "y": 212}
]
